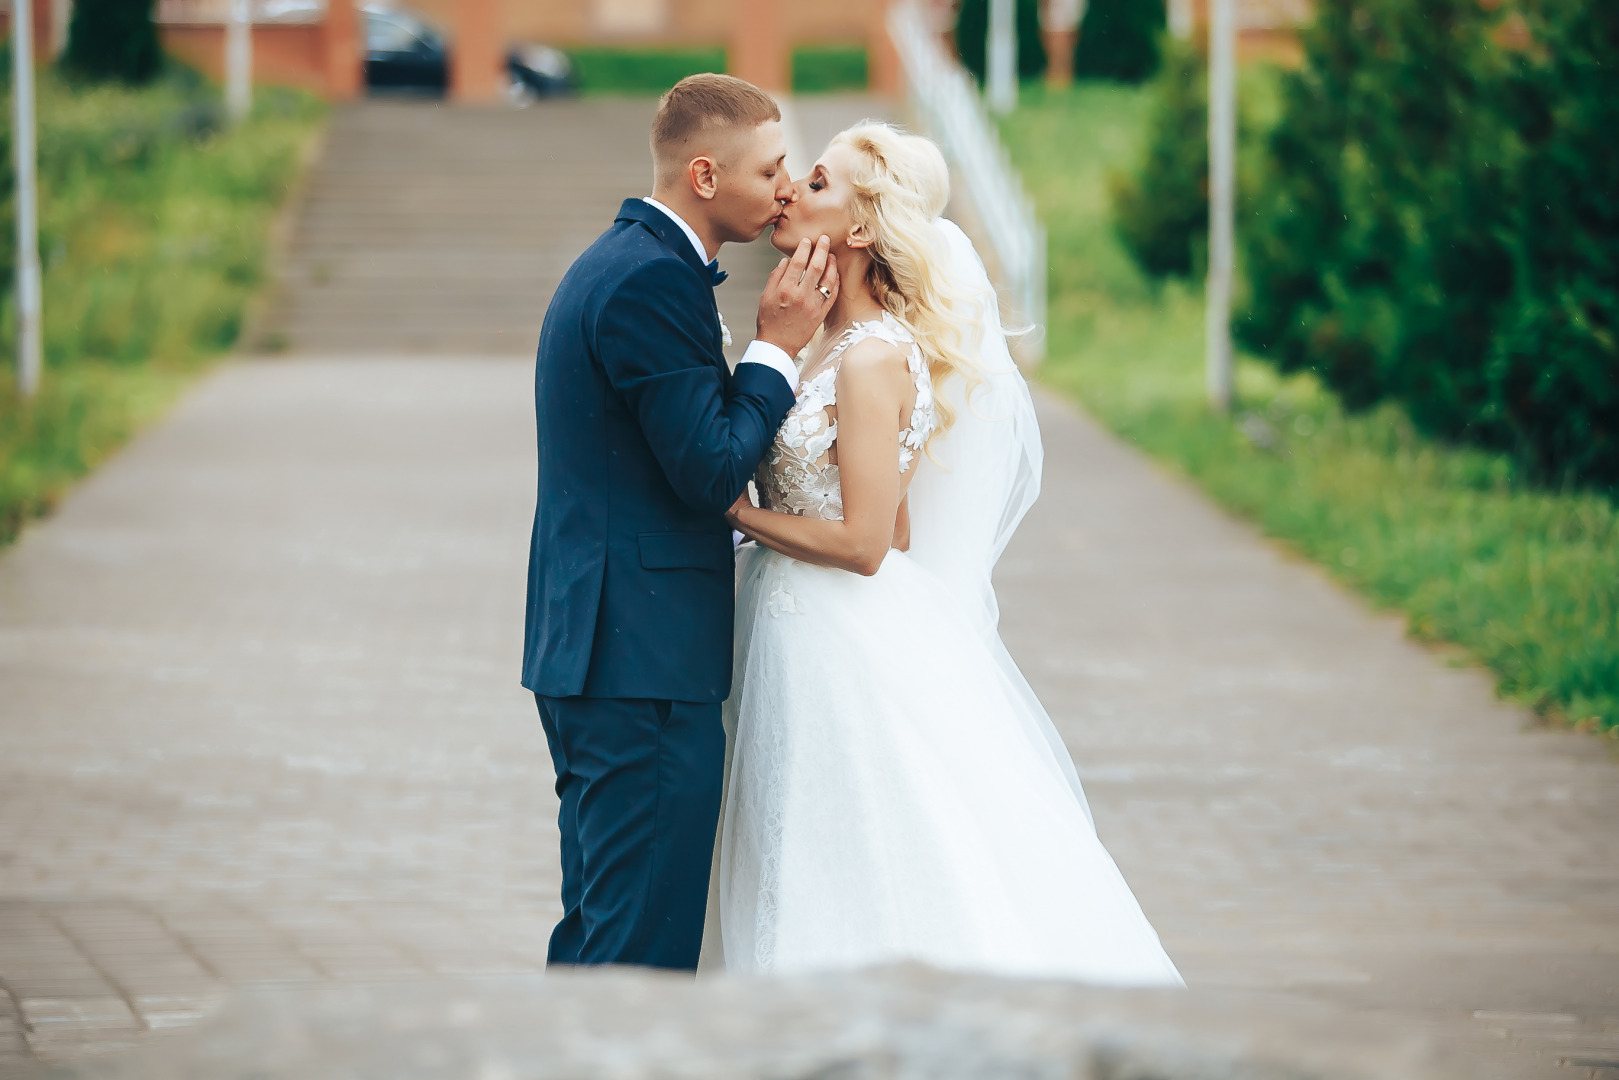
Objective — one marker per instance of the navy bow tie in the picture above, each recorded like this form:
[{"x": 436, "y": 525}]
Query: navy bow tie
[{"x": 719, "y": 275}]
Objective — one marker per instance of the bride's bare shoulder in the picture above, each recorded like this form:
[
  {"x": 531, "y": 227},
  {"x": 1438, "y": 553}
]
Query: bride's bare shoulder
[{"x": 872, "y": 359}]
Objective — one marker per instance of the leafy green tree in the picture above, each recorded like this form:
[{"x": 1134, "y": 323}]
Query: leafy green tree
[
  {"x": 1119, "y": 40},
  {"x": 972, "y": 36},
  {"x": 113, "y": 41},
  {"x": 1161, "y": 211}
]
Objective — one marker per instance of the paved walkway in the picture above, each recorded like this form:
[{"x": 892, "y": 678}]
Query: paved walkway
[{"x": 259, "y": 722}]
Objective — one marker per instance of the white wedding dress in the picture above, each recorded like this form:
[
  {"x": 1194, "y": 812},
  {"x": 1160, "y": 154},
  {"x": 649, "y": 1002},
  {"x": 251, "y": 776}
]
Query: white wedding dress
[{"x": 895, "y": 791}]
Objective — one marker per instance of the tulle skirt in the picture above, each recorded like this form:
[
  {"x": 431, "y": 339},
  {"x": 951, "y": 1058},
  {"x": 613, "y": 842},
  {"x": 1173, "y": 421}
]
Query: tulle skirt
[{"x": 884, "y": 800}]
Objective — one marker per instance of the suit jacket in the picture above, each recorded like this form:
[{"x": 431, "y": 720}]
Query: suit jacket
[{"x": 645, "y": 440}]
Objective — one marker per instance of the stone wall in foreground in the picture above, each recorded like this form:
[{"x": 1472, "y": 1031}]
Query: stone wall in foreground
[{"x": 895, "y": 1023}]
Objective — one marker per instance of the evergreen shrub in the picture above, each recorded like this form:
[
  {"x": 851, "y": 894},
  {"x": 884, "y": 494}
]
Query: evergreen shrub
[
  {"x": 972, "y": 38},
  {"x": 1120, "y": 40},
  {"x": 1438, "y": 222},
  {"x": 1553, "y": 366},
  {"x": 1376, "y": 256},
  {"x": 1161, "y": 210},
  {"x": 113, "y": 41}
]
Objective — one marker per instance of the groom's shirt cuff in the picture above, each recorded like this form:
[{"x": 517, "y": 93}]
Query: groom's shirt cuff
[{"x": 772, "y": 356}]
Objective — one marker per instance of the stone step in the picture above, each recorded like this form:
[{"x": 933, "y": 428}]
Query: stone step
[
  {"x": 504, "y": 320},
  {"x": 384, "y": 319},
  {"x": 363, "y": 342},
  {"x": 431, "y": 227},
  {"x": 408, "y": 292},
  {"x": 434, "y": 228}
]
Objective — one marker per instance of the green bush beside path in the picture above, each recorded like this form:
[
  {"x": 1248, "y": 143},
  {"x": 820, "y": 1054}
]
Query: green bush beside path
[{"x": 1525, "y": 579}]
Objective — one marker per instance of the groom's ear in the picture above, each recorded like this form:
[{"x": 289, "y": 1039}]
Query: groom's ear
[{"x": 703, "y": 172}]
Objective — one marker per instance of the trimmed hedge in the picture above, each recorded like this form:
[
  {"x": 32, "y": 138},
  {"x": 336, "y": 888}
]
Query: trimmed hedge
[
  {"x": 640, "y": 71},
  {"x": 824, "y": 69},
  {"x": 1439, "y": 225}
]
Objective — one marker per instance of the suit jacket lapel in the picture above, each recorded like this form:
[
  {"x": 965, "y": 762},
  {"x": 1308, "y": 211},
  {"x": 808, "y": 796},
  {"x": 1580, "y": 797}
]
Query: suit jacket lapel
[
  {"x": 663, "y": 227},
  {"x": 667, "y": 231}
]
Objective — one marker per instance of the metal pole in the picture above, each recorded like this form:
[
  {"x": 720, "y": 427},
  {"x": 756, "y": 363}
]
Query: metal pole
[
  {"x": 239, "y": 60},
  {"x": 1001, "y": 56},
  {"x": 28, "y": 286},
  {"x": 1222, "y": 199}
]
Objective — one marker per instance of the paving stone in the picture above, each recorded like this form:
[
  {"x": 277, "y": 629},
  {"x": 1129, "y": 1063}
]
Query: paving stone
[
  {"x": 62, "y": 1028},
  {"x": 38, "y": 961},
  {"x": 86, "y": 1011},
  {"x": 133, "y": 949},
  {"x": 158, "y": 1011}
]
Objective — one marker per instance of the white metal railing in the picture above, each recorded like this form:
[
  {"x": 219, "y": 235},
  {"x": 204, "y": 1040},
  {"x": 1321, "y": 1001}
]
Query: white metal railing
[{"x": 949, "y": 108}]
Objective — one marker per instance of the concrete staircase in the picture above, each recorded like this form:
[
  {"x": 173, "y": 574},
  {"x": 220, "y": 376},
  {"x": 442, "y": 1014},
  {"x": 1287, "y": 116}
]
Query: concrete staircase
[
  {"x": 429, "y": 228},
  {"x": 433, "y": 229}
]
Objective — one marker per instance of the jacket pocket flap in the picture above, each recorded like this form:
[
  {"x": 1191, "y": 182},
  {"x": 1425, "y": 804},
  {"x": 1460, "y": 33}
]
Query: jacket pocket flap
[{"x": 669, "y": 551}]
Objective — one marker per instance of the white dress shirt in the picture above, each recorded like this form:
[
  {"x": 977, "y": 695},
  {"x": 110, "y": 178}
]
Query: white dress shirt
[{"x": 758, "y": 352}]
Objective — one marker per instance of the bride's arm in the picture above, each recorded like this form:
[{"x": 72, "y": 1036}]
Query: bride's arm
[{"x": 875, "y": 394}]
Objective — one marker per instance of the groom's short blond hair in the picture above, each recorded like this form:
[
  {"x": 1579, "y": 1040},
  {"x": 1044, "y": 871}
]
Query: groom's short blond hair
[{"x": 700, "y": 106}]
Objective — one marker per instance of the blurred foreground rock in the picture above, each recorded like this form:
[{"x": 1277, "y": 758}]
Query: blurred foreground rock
[{"x": 887, "y": 1024}]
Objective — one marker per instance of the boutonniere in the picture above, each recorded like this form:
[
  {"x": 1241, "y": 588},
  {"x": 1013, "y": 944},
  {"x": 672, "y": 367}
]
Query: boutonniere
[{"x": 725, "y": 331}]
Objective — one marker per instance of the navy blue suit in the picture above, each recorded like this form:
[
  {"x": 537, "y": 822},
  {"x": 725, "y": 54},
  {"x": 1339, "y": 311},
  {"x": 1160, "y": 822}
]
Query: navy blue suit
[{"x": 645, "y": 439}]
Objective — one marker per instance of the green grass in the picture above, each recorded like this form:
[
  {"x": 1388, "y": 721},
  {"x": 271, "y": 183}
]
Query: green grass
[
  {"x": 640, "y": 71},
  {"x": 1524, "y": 579},
  {"x": 824, "y": 69},
  {"x": 153, "y": 230}
]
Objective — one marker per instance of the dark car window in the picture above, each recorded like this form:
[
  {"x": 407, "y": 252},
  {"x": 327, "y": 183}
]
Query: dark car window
[{"x": 386, "y": 34}]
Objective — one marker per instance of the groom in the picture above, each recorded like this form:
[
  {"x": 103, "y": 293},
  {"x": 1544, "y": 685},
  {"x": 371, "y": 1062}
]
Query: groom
[{"x": 645, "y": 440}]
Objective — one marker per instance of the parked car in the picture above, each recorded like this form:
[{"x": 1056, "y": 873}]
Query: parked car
[
  {"x": 538, "y": 71},
  {"x": 403, "y": 53}
]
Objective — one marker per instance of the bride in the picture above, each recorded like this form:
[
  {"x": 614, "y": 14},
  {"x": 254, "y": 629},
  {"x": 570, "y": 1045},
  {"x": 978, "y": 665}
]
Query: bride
[{"x": 895, "y": 789}]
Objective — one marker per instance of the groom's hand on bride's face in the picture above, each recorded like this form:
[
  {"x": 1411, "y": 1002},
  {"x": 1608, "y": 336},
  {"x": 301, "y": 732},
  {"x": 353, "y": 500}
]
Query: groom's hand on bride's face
[{"x": 797, "y": 296}]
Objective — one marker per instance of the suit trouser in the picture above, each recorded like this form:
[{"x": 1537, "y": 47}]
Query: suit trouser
[{"x": 639, "y": 782}]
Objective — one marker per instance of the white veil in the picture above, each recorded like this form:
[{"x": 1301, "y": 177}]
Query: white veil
[{"x": 974, "y": 486}]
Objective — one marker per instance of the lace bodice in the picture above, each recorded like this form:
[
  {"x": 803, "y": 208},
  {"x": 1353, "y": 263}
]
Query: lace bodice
[{"x": 797, "y": 475}]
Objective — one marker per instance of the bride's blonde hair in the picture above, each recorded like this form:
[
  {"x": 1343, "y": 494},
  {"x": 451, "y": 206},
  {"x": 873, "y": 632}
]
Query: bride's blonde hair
[{"x": 901, "y": 184}]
